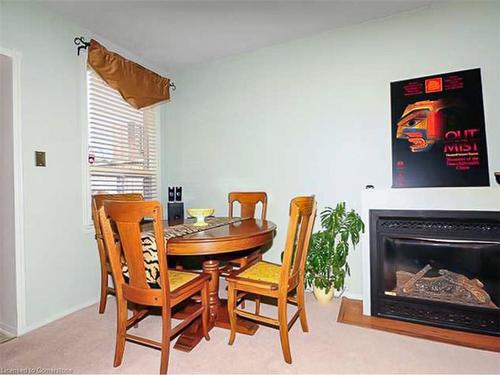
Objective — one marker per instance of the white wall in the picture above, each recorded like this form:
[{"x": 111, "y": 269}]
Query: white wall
[
  {"x": 61, "y": 262},
  {"x": 313, "y": 115},
  {"x": 8, "y": 310}
]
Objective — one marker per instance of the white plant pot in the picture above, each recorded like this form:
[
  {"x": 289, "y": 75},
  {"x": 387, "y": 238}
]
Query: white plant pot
[{"x": 321, "y": 296}]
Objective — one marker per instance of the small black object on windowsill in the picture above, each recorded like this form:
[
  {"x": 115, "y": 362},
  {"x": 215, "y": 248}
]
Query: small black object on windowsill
[
  {"x": 369, "y": 187},
  {"x": 178, "y": 193},
  {"x": 497, "y": 176},
  {"x": 175, "y": 213},
  {"x": 175, "y": 206},
  {"x": 171, "y": 194}
]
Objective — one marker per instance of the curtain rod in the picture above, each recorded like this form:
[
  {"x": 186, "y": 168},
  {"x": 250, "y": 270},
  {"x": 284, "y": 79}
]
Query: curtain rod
[{"x": 81, "y": 43}]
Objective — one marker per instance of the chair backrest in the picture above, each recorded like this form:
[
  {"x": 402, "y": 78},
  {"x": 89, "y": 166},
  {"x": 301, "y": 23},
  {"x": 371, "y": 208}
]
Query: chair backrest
[
  {"x": 97, "y": 201},
  {"x": 248, "y": 202},
  {"x": 300, "y": 227},
  {"x": 126, "y": 217}
]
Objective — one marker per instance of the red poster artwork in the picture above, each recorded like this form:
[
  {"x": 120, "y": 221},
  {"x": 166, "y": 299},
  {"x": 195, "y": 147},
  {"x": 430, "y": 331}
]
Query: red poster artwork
[{"x": 438, "y": 131}]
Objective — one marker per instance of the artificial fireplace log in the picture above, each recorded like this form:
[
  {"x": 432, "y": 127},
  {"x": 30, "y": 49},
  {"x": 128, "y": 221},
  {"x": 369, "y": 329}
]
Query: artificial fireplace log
[
  {"x": 448, "y": 287},
  {"x": 409, "y": 285}
]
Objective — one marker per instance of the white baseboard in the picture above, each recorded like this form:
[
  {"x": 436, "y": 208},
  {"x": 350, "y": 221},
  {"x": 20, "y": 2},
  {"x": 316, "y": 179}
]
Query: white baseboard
[
  {"x": 351, "y": 295},
  {"x": 58, "y": 316},
  {"x": 7, "y": 329}
]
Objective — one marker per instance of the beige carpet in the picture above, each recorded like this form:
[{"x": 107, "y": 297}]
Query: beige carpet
[{"x": 84, "y": 342}]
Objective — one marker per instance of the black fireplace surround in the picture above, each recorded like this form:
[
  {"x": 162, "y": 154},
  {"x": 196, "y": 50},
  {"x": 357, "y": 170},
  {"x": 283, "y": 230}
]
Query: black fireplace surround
[{"x": 440, "y": 268}]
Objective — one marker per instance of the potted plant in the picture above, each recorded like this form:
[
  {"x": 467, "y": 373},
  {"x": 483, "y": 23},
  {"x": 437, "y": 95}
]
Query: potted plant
[{"x": 327, "y": 266}]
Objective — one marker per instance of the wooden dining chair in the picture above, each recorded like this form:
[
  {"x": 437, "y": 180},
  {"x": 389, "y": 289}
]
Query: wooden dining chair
[
  {"x": 283, "y": 282},
  {"x": 248, "y": 204},
  {"x": 172, "y": 287},
  {"x": 97, "y": 201}
]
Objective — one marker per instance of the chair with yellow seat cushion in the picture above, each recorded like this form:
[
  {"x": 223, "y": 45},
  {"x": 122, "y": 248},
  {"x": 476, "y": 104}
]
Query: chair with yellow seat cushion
[
  {"x": 283, "y": 282},
  {"x": 176, "y": 279},
  {"x": 248, "y": 202},
  {"x": 262, "y": 271},
  {"x": 172, "y": 287}
]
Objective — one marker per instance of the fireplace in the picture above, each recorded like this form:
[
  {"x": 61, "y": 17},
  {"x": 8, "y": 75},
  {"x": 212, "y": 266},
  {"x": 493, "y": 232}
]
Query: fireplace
[{"x": 440, "y": 268}]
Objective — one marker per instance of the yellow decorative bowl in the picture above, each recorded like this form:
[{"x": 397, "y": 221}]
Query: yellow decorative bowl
[{"x": 200, "y": 214}]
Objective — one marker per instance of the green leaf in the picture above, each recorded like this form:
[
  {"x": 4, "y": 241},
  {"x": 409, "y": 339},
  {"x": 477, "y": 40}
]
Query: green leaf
[{"x": 327, "y": 264}]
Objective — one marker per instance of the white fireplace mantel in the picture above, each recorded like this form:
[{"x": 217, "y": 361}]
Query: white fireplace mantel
[{"x": 467, "y": 199}]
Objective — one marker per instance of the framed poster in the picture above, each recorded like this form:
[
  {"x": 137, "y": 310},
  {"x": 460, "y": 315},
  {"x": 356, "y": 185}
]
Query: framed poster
[{"x": 438, "y": 131}]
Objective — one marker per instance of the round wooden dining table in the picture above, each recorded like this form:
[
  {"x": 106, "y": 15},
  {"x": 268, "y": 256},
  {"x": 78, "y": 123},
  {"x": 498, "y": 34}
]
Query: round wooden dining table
[{"x": 212, "y": 244}]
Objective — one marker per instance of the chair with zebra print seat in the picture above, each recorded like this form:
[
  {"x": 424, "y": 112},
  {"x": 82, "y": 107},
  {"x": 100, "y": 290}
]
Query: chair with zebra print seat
[
  {"x": 97, "y": 202},
  {"x": 134, "y": 283}
]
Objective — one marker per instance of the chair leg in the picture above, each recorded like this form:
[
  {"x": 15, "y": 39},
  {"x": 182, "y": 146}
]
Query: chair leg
[
  {"x": 257, "y": 304},
  {"x": 243, "y": 263},
  {"x": 302, "y": 307},
  {"x": 204, "y": 316},
  {"x": 231, "y": 311},
  {"x": 283, "y": 325},
  {"x": 165, "y": 339},
  {"x": 104, "y": 290},
  {"x": 135, "y": 310},
  {"x": 121, "y": 330}
]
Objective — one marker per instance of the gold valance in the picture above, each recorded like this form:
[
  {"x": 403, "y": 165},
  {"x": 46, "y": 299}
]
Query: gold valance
[{"x": 140, "y": 87}]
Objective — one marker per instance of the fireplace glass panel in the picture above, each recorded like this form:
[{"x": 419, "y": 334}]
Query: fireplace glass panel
[{"x": 459, "y": 272}]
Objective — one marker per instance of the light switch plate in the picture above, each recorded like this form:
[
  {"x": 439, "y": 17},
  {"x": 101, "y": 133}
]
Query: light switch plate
[{"x": 40, "y": 159}]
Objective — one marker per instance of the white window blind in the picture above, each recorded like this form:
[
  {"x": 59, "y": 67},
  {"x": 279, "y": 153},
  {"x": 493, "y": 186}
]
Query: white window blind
[{"x": 122, "y": 152}]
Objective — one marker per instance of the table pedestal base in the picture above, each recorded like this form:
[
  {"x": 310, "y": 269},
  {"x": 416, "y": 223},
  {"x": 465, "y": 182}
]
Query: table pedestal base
[
  {"x": 193, "y": 334},
  {"x": 244, "y": 326}
]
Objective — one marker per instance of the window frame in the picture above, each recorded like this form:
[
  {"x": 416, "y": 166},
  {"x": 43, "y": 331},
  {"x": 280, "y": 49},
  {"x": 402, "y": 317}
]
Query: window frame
[{"x": 88, "y": 226}]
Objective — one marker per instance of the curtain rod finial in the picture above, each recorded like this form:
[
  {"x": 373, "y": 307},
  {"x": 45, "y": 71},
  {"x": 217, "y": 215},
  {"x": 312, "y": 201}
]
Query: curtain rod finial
[{"x": 81, "y": 43}]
